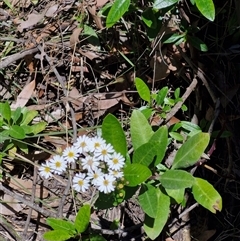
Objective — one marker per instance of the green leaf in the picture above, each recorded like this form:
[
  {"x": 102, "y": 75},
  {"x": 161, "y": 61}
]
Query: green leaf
[
  {"x": 136, "y": 173},
  {"x": 28, "y": 116},
  {"x": 159, "y": 4},
  {"x": 40, "y": 126},
  {"x": 59, "y": 224},
  {"x": 22, "y": 146},
  {"x": 5, "y": 111},
  {"x": 143, "y": 89},
  {"x": 92, "y": 36},
  {"x": 197, "y": 43},
  {"x": 148, "y": 200},
  {"x": 176, "y": 136},
  {"x": 206, "y": 8},
  {"x": 140, "y": 129},
  {"x": 145, "y": 153},
  {"x": 174, "y": 38},
  {"x": 153, "y": 226},
  {"x": 162, "y": 95},
  {"x": 117, "y": 10},
  {"x": 113, "y": 133},
  {"x": 190, "y": 126},
  {"x": 96, "y": 237},
  {"x": 59, "y": 235},
  {"x": 191, "y": 151},
  {"x": 83, "y": 218},
  {"x": 149, "y": 18},
  {"x": 17, "y": 132},
  {"x": 16, "y": 114},
  {"x": 160, "y": 137},
  {"x": 206, "y": 195},
  {"x": 176, "y": 179},
  {"x": 176, "y": 194}
]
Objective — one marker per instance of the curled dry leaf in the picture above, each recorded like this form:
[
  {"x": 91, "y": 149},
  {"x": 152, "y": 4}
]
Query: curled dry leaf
[
  {"x": 74, "y": 39},
  {"x": 24, "y": 95}
]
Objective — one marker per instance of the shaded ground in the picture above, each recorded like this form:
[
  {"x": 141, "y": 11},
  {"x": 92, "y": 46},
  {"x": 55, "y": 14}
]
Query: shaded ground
[{"x": 74, "y": 71}]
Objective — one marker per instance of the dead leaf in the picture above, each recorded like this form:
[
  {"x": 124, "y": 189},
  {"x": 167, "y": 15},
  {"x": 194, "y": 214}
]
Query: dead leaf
[
  {"x": 74, "y": 39},
  {"x": 24, "y": 95},
  {"x": 25, "y": 186},
  {"x": 206, "y": 235},
  {"x": 10, "y": 205},
  {"x": 100, "y": 3},
  {"x": 51, "y": 11}
]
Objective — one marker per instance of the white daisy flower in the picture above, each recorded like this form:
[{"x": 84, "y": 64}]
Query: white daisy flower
[
  {"x": 70, "y": 154},
  {"x": 105, "y": 183},
  {"x": 94, "y": 175},
  {"x": 81, "y": 182},
  {"x": 82, "y": 144},
  {"x": 45, "y": 170},
  {"x": 116, "y": 174},
  {"x": 96, "y": 142},
  {"x": 58, "y": 165},
  {"x": 90, "y": 163},
  {"x": 116, "y": 162},
  {"x": 104, "y": 152}
]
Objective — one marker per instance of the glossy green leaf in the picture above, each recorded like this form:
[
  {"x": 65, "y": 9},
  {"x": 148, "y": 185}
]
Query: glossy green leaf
[
  {"x": 176, "y": 194},
  {"x": 153, "y": 226},
  {"x": 159, "y": 4},
  {"x": 189, "y": 153},
  {"x": 59, "y": 235},
  {"x": 60, "y": 224},
  {"x": 83, "y": 218},
  {"x": 162, "y": 95},
  {"x": 176, "y": 136},
  {"x": 206, "y": 195},
  {"x": 117, "y": 10},
  {"x": 197, "y": 43},
  {"x": 148, "y": 200},
  {"x": 174, "y": 38},
  {"x": 190, "y": 126},
  {"x": 145, "y": 153},
  {"x": 140, "y": 129},
  {"x": 176, "y": 179},
  {"x": 113, "y": 133},
  {"x": 135, "y": 174},
  {"x": 206, "y": 8},
  {"x": 17, "y": 132},
  {"x": 143, "y": 89},
  {"x": 160, "y": 137},
  {"x": 5, "y": 111}
]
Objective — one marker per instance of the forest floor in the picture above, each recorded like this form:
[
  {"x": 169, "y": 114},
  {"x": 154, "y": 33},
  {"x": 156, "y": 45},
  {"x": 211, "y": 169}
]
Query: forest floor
[{"x": 59, "y": 59}]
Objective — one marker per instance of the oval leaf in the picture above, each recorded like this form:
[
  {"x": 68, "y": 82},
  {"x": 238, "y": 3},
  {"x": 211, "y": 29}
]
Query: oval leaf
[
  {"x": 113, "y": 133},
  {"x": 160, "y": 137},
  {"x": 5, "y": 111},
  {"x": 140, "y": 129},
  {"x": 153, "y": 226},
  {"x": 176, "y": 194},
  {"x": 83, "y": 218},
  {"x": 197, "y": 43},
  {"x": 117, "y": 10},
  {"x": 60, "y": 235},
  {"x": 191, "y": 150},
  {"x": 148, "y": 200},
  {"x": 136, "y": 173},
  {"x": 206, "y": 195},
  {"x": 145, "y": 153},
  {"x": 17, "y": 132},
  {"x": 176, "y": 179},
  {"x": 206, "y": 8},
  {"x": 143, "y": 89},
  {"x": 59, "y": 224},
  {"x": 159, "y": 4}
]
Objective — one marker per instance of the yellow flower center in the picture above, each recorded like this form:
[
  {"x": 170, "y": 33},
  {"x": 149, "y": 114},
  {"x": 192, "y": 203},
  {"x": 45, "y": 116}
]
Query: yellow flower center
[
  {"x": 47, "y": 169},
  {"x": 105, "y": 182},
  {"x": 115, "y": 161},
  {"x": 70, "y": 154},
  {"x": 104, "y": 152},
  {"x": 83, "y": 144},
  {"x": 58, "y": 164},
  {"x": 80, "y": 182}
]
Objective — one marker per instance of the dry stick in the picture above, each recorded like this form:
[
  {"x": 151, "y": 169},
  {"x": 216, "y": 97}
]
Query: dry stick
[
  {"x": 14, "y": 57},
  {"x": 32, "y": 200},
  {"x": 30, "y": 204},
  {"x": 175, "y": 109}
]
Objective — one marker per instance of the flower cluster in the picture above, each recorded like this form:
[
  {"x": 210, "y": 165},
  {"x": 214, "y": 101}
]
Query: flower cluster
[{"x": 100, "y": 165}]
